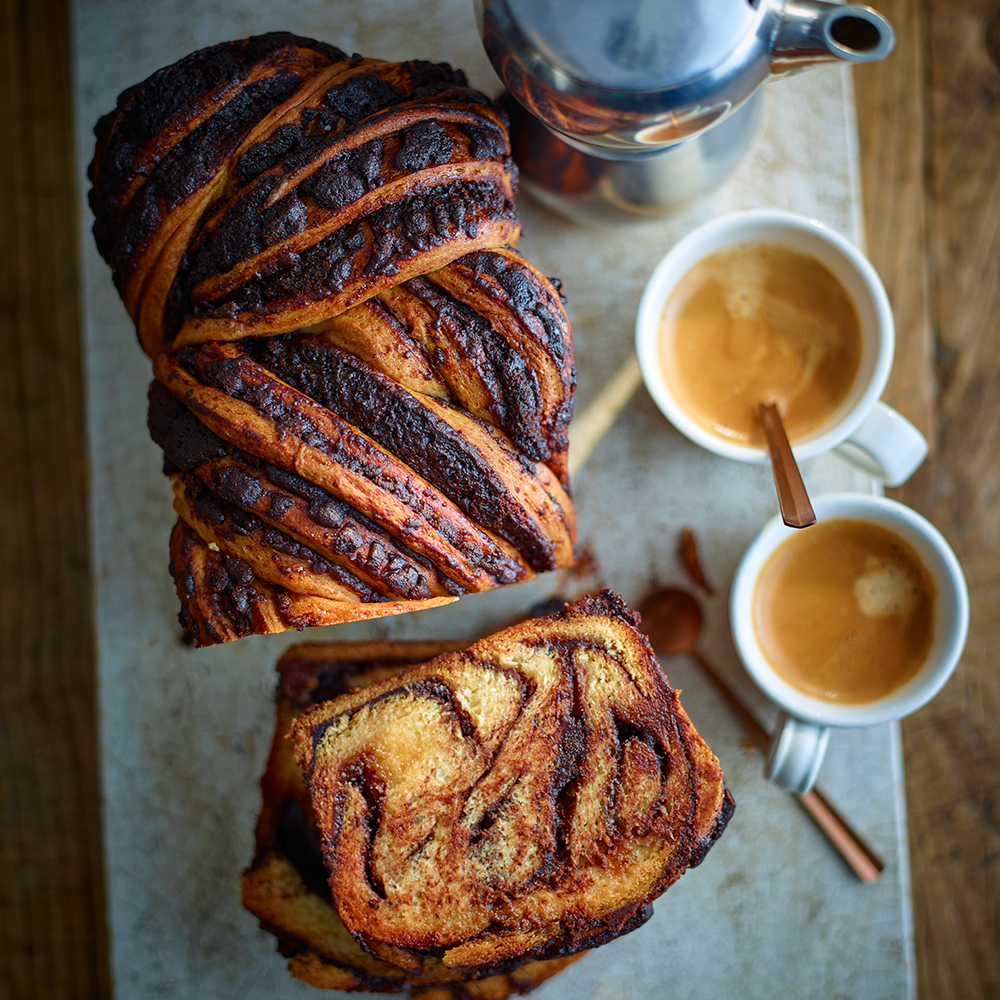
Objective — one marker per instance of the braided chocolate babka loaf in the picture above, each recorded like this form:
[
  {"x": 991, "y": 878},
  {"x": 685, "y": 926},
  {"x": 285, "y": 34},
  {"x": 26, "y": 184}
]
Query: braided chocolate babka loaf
[
  {"x": 362, "y": 392},
  {"x": 522, "y": 800},
  {"x": 286, "y": 886}
]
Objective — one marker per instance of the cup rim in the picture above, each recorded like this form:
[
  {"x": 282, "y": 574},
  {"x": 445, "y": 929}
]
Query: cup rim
[
  {"x": 684, "y": 255},
  {"x": 940, "y": 559}
]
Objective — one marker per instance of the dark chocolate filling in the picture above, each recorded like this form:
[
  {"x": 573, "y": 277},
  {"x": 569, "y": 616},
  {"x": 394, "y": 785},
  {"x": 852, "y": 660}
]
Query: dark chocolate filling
[
  {"x": 175, "y": 94},
  {"x": 229, "y": 519},
  {"x": 227, "y": 586},
  {"x": 194, "y": 162},
  {"x": 398, "y": 421},
  {"x": 242, "y": 379},
  {"x": 512, "y": 385},
  {"x": 420, "y": 221}
]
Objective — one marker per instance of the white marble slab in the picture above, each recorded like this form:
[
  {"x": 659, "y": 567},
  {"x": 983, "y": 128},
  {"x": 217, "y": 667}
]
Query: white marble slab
[{"x": 772, "y": 911}]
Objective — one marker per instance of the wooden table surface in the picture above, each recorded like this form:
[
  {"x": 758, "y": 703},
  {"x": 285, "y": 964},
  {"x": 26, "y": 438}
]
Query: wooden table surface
[{"x": 929, "y": 123}]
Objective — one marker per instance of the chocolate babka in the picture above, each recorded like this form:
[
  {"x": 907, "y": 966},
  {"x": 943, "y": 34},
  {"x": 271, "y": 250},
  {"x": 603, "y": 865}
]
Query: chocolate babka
[
  {"x": 363, "y": 392},
  {"x": 522, "y": 800},
  {"x": 286, "y": 886}
]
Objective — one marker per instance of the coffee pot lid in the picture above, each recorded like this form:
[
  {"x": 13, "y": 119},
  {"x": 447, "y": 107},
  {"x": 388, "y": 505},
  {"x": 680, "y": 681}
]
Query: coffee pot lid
[{"x": 634, "y": 45}]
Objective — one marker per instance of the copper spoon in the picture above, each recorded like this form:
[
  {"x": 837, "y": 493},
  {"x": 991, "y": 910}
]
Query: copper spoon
[
  {"x": 796, "y": 510},
  {"x": 671, "y": 618}
]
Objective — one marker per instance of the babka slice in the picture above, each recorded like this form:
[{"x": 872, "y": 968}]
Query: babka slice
[
  {"x": 267, "y": 184},
  {"x": 286, "y": 885},
  {"x": 524, "y": 799}
]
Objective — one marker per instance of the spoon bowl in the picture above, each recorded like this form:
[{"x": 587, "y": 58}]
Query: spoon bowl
[{"x": 671, "y": 618}]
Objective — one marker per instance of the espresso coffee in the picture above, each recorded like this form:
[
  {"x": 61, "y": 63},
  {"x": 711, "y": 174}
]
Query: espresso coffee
[
  {"x": 760, "y": 323},
  {"x": 844, "y": 611}
]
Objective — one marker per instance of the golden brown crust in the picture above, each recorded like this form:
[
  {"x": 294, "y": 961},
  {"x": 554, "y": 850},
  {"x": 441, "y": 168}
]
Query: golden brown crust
[
  {"x": 282, "y": 887},
  {"x": 320, "y": 412},
  {"x": 528, "y": 797},
  {"x": 487, "y": 333}
]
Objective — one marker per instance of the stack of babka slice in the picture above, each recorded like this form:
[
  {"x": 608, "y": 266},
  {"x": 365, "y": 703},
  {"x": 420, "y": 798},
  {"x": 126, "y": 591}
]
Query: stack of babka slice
[{"x": 481, "y": 816}]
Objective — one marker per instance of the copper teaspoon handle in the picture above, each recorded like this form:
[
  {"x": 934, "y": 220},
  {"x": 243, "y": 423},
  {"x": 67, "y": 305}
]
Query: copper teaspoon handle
[{"x": 796, "y": 509}]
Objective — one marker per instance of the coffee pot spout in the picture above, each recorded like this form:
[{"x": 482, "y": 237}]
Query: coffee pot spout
[{"x": 811, "y": 32}]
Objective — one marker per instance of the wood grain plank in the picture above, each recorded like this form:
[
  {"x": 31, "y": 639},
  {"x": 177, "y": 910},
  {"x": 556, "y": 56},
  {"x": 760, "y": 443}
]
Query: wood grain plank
[
  {"x": 929, "y": 120},
  {"x": 53, "y": 942},
  {"x": 956, "y": 742},
  {"x": 891, "y": 137}
]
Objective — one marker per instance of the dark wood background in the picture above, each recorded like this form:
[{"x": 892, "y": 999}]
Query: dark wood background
[{"x": 929, "y": 120}]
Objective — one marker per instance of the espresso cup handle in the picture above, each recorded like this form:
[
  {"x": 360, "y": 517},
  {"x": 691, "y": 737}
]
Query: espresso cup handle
[
  {"x": 797, "y": 750},
  {"x": 886, "y": 445}
]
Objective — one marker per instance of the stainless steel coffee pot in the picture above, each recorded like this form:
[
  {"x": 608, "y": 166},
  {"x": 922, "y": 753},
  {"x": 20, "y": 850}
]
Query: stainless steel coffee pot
[{"x": 629, "y": 109}]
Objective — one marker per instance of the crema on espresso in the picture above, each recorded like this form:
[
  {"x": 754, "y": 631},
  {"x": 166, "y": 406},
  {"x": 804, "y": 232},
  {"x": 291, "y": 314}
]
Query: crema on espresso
[
  {"x": 757, "y": 324},
  {"x": 844, "y": 611}
]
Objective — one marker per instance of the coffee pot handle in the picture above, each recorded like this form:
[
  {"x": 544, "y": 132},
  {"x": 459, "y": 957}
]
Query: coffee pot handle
[
  {"x": 797, "y": 749},
  {"x": 886, "y": 445}
]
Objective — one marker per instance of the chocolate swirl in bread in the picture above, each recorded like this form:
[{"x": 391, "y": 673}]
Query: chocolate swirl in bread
[
  {"x": 487, "y": 333},
  {"x": 316, "y": 484},
  {"x": 363, "y": 393},
  {"x": 286, "y": 885},
  {"x": 264, "y": 185},
  {"x": 523, "y": 799}
]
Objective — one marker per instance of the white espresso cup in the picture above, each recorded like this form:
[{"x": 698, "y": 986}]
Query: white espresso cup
[
  {"x": 863, "y": 429},
  {"x": 800, "y": 738}
]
